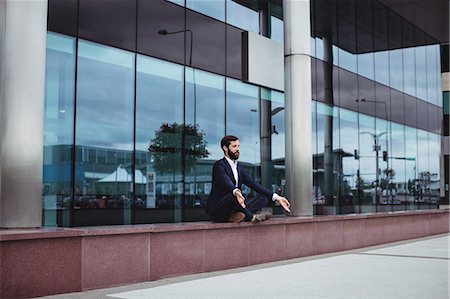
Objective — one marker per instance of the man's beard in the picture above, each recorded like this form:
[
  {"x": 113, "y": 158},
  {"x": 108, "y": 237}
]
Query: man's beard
[{"x": 233, "y": 156}]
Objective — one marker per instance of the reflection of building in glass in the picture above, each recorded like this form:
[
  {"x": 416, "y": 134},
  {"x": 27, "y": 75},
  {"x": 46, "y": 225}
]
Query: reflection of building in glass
[{"x": 114, "y": 77}]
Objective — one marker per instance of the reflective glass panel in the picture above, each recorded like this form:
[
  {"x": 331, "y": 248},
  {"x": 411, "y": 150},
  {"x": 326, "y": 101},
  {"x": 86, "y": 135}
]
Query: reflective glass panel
[
  {"x": 411, "y": 167},
  {"x": 366, "y": 66},
  {"x": 433, "y": 70},
  {"x": 159, "y": 129},
  {"x": 58, "y": 129},
  {"x": 421, "y": 70},
  {"x": 205, "y": 115},
  {"x": 214, "y": 9},
  {"x": 435, "y": 154},
  {"x": 326, "y": 195},
  {"x": 158, "y": 15},
  {"x": 368, "y": 164},
  {"x": 276, "y": 29},
  {"x": 395, "y": 173},
  {"x": 382, "y": 67},
  {"x": 104, "y": 135},
  {"x": 423, "y": 168},
  {"x": 243, "y": 121},
  {"x": 242, "y": 17},
  {"x": 396, "y": 69},
  {"x": 208, "y": 42},
  {"x": 409, "y": 70},
  {"x": 346, "y": 152}
]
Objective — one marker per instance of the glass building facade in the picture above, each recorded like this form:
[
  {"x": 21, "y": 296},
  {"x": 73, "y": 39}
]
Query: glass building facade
[{"x": 139, "y": 94}]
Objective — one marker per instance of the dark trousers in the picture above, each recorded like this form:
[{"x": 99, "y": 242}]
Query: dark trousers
[{"x": 228, "y": 204}]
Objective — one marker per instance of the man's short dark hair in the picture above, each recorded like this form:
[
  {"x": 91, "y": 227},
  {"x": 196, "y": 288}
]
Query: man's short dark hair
[{"x": 227, "y": 140}]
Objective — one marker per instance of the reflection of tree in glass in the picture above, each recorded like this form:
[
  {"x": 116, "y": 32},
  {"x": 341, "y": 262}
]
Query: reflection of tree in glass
[{"x": 167, "y": 144}]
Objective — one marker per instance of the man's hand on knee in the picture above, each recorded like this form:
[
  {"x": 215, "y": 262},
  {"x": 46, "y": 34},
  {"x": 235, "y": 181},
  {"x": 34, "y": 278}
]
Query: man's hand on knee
[{"x": 240, "y": 198}]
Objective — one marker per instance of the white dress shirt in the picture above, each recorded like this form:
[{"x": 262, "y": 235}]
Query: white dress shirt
[{"x": 233, "y": 165}]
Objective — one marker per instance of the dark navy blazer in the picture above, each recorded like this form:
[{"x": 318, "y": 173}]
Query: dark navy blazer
[{"x": 223, "y": 183}]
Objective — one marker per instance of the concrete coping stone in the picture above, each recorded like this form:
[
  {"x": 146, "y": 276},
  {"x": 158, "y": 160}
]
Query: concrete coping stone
[{"x": 60, "y": 232}]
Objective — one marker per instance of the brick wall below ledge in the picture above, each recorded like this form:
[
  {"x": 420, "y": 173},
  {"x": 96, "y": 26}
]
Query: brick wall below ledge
[{"x": 50, "y": 261}]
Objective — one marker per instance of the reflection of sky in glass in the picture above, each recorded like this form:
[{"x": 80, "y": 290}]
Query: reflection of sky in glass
[
  {"x": 242, "y": 17},
  {"x": 433, "y": 70},
  {"x": 422, "y": 151},
  {"x": 421, "y": 70},
  {"x": 205, "y": 106},
  {"x": 347, "y": 60},
  {"x": 159, "y": 97},
  {"x": 348, "y": 131},
  {"x": 179, "y": 2},
  {"x": 366, "y": 65},
  {"x": 105, "y": 96},
  {"x": 278, "y": 140},
  {"x": 382, "y": 67},
  {"x": 397, "y": 152},
  {"x": 435, "y": 151},
  {"x": 410, "y": 152},
  {"x": 242, "y": 118},
  {"x": 215, "y": 8},
  {"x": 59, "y": 89},
  {"x": 409, "y": 71},
  {"x": 396, "y": 69},
  {"x": 277, "y": 29}
]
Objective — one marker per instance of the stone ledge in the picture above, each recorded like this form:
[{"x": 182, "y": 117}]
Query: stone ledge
[
  {"x": 46, "y": 261},
  {"x": 49, "y": 233}
]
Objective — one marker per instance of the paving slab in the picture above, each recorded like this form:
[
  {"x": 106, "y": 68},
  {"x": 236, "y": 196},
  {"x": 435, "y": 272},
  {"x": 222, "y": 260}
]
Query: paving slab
[{"x": 413, "y": 269}]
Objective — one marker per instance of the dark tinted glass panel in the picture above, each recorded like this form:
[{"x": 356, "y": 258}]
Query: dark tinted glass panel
[
  {"x": 234, "y": 52},
  {"x": 410, "y": 111},
  {"x": 380, "y": 26},
  {"x": 348, "y": 90},
  {"x": 111, "y": 22},
  {"x": 156, "y": 15},
  {"x": 434, "y": 119},
  {"x": 397, "y": 107},
  {"x": 422, "y": 115},
  {"x": 62, "y": 16},
  {"x": 208, "y": 42},
  {"x": 445, "y": 53},
  {"x": 382, "y": 96},
  {"x": 366, "y": 98},
  {"x": 395, "y": 30},
  {"x": 320, "y": 92},
  {"x": 313, "y": 78},
  {"x": 364, "y": 26}
]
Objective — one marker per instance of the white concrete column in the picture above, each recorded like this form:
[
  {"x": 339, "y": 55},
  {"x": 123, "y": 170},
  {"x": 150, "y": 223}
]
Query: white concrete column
[
  {"x": 297, "y": 92},
  {"x": 23, "y": 26}
]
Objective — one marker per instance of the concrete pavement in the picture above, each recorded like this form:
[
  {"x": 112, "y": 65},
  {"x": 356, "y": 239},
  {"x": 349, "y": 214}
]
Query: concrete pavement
[{"x": 410, "y": 269}]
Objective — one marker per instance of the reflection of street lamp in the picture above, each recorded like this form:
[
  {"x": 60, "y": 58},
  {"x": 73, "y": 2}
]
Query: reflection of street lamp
[
  {"x": 165, "y": 32},
  {"x": 376, "y": 149}
]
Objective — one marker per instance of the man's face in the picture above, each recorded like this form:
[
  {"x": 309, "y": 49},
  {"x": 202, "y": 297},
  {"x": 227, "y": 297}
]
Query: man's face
[{"x": 232, "y": 151}]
